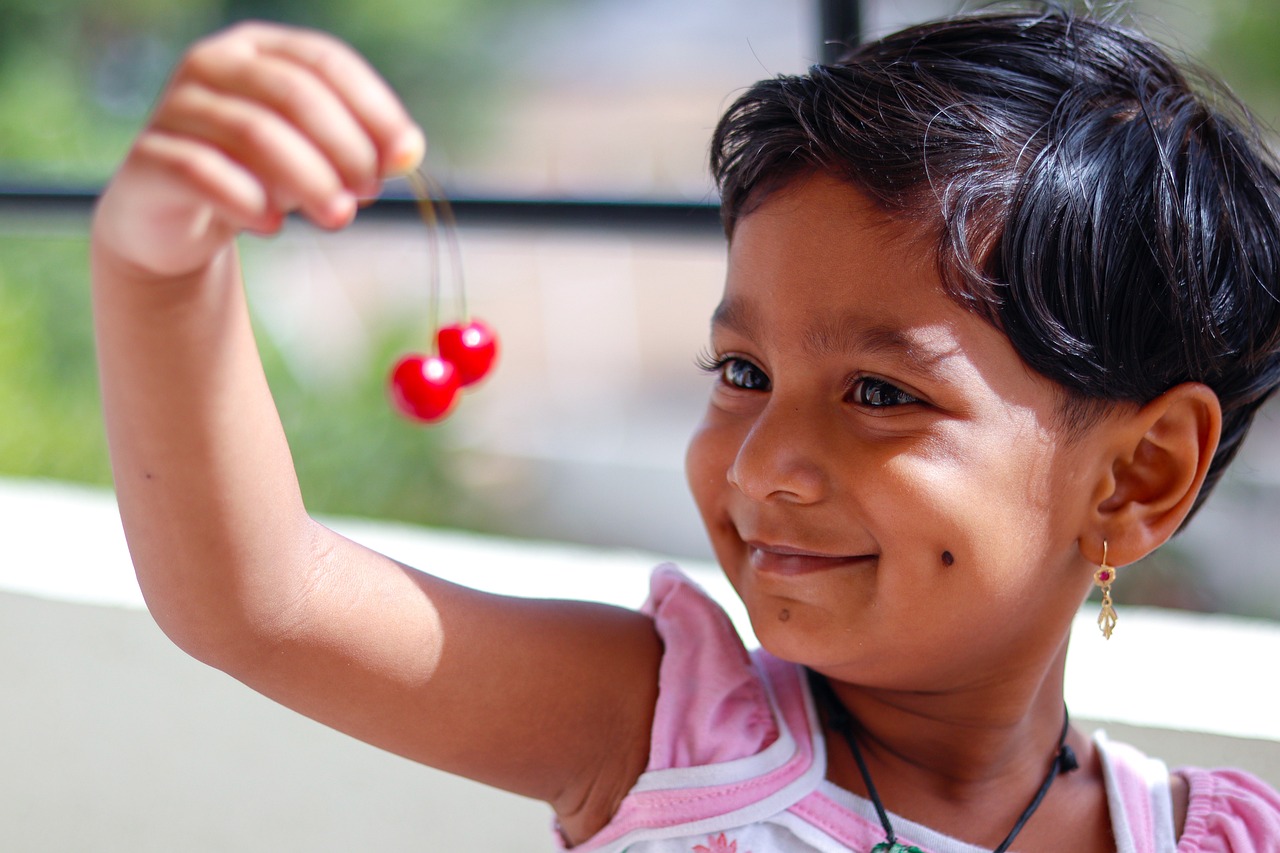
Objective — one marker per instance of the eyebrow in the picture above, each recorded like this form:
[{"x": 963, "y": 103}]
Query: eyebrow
[{"x": 835, "y": 335}]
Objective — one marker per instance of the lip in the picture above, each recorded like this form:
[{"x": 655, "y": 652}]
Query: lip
[{"x": 777, "y": 559}]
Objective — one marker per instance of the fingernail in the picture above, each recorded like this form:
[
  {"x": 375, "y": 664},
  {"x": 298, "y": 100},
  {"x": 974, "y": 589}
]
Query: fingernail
[
  {"x": 407, "y": 152},
  {"x": 340, "y": 209}
]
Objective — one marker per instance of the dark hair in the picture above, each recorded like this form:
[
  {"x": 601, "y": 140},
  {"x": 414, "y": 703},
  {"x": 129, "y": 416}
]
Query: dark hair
[{"x": 1122, "y": 229}]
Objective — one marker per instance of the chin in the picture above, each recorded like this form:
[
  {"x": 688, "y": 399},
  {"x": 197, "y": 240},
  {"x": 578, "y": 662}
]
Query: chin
[{"x": 786, "y": 631}]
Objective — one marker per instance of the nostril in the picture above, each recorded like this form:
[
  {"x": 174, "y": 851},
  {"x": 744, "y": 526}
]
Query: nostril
[
  {"x": 783, "y": 456},
  {"x": 740, "y": 477},
  {"x": 792, "y": 480}
]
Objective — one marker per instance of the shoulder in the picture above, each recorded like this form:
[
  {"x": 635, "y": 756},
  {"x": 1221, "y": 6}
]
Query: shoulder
[
  {"x": 1229, "y": 810},
  {"x": 733, "y": 732},
  {"x": 1225, "y": 809},
  {"x": 713, "y": 704}
]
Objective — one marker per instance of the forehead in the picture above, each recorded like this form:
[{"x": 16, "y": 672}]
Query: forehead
[{"x": 819, "y": 249}]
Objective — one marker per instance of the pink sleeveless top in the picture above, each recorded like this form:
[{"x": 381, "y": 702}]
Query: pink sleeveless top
[{"x": 737, "y": 765}]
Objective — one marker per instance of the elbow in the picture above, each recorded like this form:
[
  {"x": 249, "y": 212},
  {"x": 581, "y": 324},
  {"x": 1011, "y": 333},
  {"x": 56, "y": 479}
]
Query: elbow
[
  {"x": 232, "y": 617},
  {"x": 219, "y": 630}
]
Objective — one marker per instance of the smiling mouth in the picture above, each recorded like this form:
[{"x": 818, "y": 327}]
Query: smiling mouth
[{"x": 785, "y": 560}]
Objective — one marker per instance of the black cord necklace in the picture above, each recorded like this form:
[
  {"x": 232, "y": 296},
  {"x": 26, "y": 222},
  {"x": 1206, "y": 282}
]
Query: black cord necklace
[{"x": 1064, "y": 761}]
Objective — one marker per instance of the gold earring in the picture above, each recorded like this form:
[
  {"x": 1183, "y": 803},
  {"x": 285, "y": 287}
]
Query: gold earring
[{"x": 1103, "y": 578}]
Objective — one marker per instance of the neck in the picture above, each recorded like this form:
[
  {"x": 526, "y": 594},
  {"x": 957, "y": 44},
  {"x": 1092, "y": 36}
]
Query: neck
[{"x": 965, "y": 762}]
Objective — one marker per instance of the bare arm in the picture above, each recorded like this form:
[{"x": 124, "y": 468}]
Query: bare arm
[{"x": 549, "y": 699}]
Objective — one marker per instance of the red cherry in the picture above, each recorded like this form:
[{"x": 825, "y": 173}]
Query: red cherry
[
  {"x": 471, "y": 349},
  {"x": 424, "y": 387}
]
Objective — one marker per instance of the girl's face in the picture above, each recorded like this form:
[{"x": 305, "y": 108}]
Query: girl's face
[{"x": 881, "y": 476}]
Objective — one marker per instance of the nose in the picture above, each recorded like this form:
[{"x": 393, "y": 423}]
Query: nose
[{"x": 782, "y": 457}]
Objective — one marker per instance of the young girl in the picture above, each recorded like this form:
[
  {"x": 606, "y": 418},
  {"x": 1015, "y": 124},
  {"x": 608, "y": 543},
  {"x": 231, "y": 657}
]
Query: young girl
[{"x": 1000, "y": 306}]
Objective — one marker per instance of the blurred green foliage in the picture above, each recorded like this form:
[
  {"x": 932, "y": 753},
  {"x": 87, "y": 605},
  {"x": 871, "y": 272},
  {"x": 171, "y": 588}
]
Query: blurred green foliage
[
  {"x": 48, "y": 384},
  {"x": 352, "y": 454},
  {"x": 1245, "y": 50},
  {"x": 77, "y": 77}
]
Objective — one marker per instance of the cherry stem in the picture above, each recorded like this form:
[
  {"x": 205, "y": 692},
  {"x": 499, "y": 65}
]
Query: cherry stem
[
  {"x": 418, "y": 181},
  {"x": 437, "y": 215},
  {"x": 450, "y": 231}
]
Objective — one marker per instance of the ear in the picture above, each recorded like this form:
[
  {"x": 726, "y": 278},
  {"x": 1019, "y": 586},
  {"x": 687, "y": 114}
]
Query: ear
[{"x": 1159, "y": 458}]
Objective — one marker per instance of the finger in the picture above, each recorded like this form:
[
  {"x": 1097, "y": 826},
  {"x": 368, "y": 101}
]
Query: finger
[
  {"x": 208, "y": 177},
  {"x": 299, "y": 96},
  {"x": 176, "y": 203},
  {"x": 294, "y": 172},
  {"x": 399, "y": 141}
]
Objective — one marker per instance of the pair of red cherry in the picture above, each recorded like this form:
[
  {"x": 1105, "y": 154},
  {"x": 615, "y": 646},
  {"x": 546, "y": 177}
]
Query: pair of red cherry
[{"x": 425, "y": 387}]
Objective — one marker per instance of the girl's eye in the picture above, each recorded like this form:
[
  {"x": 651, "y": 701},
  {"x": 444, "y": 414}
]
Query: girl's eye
[
  {"x": 743, "y": 374},
  {"x": 877, "y": 393},
  {"x": 736, "y": 372}
]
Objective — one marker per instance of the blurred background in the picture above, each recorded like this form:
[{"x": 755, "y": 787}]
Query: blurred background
[{"x": 572, "y": 134}]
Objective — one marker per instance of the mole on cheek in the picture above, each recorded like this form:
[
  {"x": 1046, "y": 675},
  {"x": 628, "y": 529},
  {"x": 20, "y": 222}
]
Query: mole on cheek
[
  {"x": 947, "y": 559},
  {"x": 784, "y": 615}
]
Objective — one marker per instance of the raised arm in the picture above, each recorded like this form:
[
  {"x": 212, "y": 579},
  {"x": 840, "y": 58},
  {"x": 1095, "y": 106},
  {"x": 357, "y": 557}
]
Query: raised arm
[{"x": 549, "y": 699}]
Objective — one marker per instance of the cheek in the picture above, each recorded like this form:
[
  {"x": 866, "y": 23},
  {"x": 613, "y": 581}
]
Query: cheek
[
  {"x": 986, "y": 502},
  {"x": 712, "y": 449},
  {"x": 706, "y": 463}
]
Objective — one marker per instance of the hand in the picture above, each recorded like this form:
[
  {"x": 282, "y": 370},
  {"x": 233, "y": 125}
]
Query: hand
[{"x": 257, "y": 121}]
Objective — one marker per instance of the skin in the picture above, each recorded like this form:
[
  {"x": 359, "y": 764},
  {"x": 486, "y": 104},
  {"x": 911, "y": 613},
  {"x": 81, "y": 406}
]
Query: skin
[
  {"x": 261, "y": 121},
  {"x": 882, "y": 477}
]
